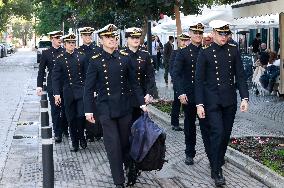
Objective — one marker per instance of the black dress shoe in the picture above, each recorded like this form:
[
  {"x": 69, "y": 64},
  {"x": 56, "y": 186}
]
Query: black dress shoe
[
  {"x": 119, "y": 186},
  {"x": 65, "y": 134},
  {"x": 132, "y": 173},
  {"x": 58, "y": 139},
  {"x": 83, "y": 143},
  {"x": 189, "y": 160},
  {"x": 75, "y": 149},
  {"x": 177, "y": 128},
  {"x": 91, "y": 139},
  {"x": 98, "y": 138},
  {"x": 218, "y": 177}
]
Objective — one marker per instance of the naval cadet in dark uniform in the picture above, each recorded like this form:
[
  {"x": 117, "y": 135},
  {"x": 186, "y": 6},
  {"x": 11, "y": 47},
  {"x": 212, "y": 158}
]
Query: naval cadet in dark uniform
[
  {"x": 70, "y": 67},
  {"x": 184, "y": 75},
  {"x": 111, "y": 73},
  {"x": 143, "y": 67},
  {"x": 48, "y": 58},
  {"x": 219, "y": 73},
  {"x": 89, "y": 49},
  {"x": 184, "y": 41}
]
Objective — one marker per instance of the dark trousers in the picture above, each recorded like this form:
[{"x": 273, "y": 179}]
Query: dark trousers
[
  {"x": 221, "y": 120},
  {"x": 155, "y": 62},
  {"x": 136, "y": 113},
  {"x": 74, "y": 113},
  {"x": 77, "y": 130},
  {"x": 205, "y": 134},
  {"x": 166, "y": 74},
  {"x": 175, "y": 111},
  {"x": 117, "y": 145},
  {"x": 56, "y": 113},
  {"x": 63, "y": 120},
  {"x": 190, "y": 113},
  {"x": 89, "y": 134},
  {"x": 159, "y": 58}
]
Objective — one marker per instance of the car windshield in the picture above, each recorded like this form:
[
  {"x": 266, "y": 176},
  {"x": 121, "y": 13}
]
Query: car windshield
[{"x": 44, "y": 44}]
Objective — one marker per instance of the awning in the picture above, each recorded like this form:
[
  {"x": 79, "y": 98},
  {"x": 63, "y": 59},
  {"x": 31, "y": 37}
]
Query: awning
[{"x": 251, "y": 8}]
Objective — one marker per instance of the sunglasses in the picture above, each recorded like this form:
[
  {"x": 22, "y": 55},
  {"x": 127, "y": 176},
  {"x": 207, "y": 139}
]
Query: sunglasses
[
  {"x": 198, "y": 32},
  {"x": 223, "y": 34},
  {"x": 71, "y": 42}
]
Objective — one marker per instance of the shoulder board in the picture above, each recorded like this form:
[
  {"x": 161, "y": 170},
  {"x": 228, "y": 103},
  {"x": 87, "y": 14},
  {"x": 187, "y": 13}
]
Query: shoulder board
[
  {"x": 60, "y": 55},
  {"x": 81, "y": 52},
  {"x": 232, "y": 44},
  {"x": 96, "y": 56},
  {"x": 123, "y": 52},
  {"x": 144, "y": 51}
]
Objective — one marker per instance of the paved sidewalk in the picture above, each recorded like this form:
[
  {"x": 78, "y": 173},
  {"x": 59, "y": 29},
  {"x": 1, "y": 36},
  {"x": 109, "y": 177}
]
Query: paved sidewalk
[{"x": 89, "y": 167}]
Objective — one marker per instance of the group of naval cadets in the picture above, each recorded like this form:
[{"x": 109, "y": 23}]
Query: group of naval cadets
[{"x": 110, "y": 86}]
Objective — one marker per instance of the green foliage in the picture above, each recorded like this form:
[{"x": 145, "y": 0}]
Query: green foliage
[
  {"x": 97, "y": 13},
  {"x": 22, "y": 29},
  {"x": 9, "y": 8}
]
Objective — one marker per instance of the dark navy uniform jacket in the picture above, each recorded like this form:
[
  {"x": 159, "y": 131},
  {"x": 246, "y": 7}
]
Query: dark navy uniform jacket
[
  {"x": 112, "y": 76},
  {"x": 90, "y": 50},
  {"x": 70, "y": 69},
  {"x": 184, "y": 71},
  {"x": 144, "y": 71},
  {"x": 47, "y": 60},
  {"x": 219, "y": 73},
  {"x": 172, "y": 62}
]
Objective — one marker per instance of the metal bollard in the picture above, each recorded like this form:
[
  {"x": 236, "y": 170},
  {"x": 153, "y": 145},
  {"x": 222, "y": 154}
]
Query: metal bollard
[
  {"x": 44, "y": 117},
  {"x": 47, "y": 157},
  {"x": 44, "y": 93}
]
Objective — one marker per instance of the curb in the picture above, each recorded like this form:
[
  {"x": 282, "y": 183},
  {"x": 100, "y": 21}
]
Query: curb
[
  {"x": 254, "y": 168},
  {"x": 238, "y": 159}
]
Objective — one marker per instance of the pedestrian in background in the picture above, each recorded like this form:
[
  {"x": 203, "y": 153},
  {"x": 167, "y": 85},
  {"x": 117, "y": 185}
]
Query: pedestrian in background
[
  {"x": 219, "y": 73},
  {"x": 256, "y": 44},
  {"x": 155, "y": 47},
  {"x": 159, "y": 53},
  {"x": 168, "y": 49}
]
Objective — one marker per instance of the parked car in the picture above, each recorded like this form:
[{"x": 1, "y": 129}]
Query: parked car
[
  {"x": 42, "y": 45},
  {"x": 3, "y": 50},
  {"x": 9, "y": 48}
]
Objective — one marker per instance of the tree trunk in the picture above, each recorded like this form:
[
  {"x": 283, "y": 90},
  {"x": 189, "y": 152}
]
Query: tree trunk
[
  {"x": 178, "y": 21},
  {"x": 144, "y": 30}
]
